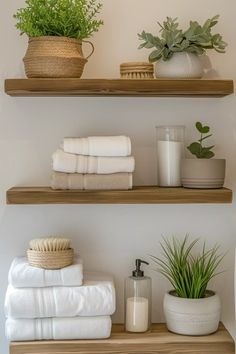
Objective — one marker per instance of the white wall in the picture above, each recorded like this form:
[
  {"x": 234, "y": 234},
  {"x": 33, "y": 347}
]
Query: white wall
[{"x": 110, "y": 237}]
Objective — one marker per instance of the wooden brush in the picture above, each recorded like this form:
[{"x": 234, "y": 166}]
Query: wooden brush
[
  {"x": 50, "y": 253},
  {"x": 50, "y": 244}
]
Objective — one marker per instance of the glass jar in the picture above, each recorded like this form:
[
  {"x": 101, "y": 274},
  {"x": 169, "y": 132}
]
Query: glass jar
[
  {"x": 170, "y": 151},
  {"x": 138, "y": 307}
]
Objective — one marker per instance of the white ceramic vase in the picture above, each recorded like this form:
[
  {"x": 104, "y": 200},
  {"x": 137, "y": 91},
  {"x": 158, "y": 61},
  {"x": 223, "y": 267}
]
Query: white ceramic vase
[
  {"x": 182, "y": 65},
  {"x": 192, "y": 317}
]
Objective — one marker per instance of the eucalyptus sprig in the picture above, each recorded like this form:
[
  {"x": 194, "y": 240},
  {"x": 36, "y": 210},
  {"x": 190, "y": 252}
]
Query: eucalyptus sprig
[
  {"x": 197, "y": 148},
  {"x": 196, "y": 39},
  {"x": 188, "y": 274},
  {"x": 68, "y": 18}
]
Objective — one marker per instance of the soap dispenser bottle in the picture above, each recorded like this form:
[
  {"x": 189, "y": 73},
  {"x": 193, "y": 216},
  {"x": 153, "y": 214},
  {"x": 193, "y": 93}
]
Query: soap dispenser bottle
[{"x": 138, "y": 294}]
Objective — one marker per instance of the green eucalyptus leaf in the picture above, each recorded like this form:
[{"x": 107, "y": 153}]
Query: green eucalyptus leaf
[
  {"x": 199, "y": 126},
  {"x": 195, "y": 39},
  {"x": 202, "y": 129},
  {"x": 195, "y": 149},
  {"x": 205, "y": 130},
  {"x": 206, "y": 154},
  {"x": 155, "y": 55}
]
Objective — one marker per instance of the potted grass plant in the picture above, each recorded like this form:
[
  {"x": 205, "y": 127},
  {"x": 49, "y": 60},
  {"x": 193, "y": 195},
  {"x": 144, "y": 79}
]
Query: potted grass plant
[
  {"x": 56, "y": 31},
  {"x": 177, "y": 52},
  {"x": 190, "y": 308},
  {"x": 203, "y": 171}
]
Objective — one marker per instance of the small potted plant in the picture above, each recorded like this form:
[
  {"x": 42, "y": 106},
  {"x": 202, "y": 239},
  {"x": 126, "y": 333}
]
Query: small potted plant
[
  {"x": 190, "y": 308},
  {"x": 56, "y": 31},
  {"x": 177, "y": 51},
  {"x": 204, "y": 171}
]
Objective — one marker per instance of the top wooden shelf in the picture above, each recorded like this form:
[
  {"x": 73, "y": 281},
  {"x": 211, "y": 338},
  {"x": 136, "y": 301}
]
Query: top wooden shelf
[
  {"x": 138, "y": 195},
  {"x": 119, "y": 87}
]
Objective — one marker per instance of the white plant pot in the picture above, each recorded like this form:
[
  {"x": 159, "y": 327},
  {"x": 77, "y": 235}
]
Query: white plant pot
[
  {"x": 192, "y": 317},
  {"x": 182, "y": 65},
  {"x": 203, "y": 173}
]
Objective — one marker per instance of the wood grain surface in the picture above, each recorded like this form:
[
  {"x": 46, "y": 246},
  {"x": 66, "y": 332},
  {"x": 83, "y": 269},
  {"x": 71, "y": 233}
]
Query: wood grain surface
[
  {"x": 157, "y": 341},
  {"x": 118, "y": 87},
  {"x": 138, "y": 195}
]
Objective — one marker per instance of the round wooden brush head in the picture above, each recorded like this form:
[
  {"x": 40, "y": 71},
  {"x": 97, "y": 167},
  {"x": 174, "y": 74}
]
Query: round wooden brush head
[
  {"x": 50, "y": 253},
  {"x": 50, "y": 244}
]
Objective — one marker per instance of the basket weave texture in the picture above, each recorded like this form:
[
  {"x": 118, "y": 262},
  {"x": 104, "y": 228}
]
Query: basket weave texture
[
  {"x": 50, "y": 259},
  {"x": 54, "y": 57},
  {"x": 136, "y": 70}
]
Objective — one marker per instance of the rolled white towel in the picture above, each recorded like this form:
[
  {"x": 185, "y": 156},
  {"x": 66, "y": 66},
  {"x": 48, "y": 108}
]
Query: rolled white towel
[
  {"x": 98, "y": 146},
  {"x": 22, "y": 275},
  {"x": 96, "y": 297},
  {"x": 58, "y": 328},
  {"x": 71, "y": 163}
]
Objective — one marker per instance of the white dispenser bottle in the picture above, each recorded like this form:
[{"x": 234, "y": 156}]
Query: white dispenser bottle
[{"x": 138, "y": 294}]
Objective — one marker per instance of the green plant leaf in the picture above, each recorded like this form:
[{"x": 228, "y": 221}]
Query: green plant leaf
[
  {"x": 195, "y": 149},
  {"x": 195, "y": 39},
  {"x": 202, "y": 129},
  {"x": 69, "y": 18},
  {"x": 188, "y": 272},
  {"x": 199, "y": 126},
  {"x": 155, "y": 55},
  {"x": 207, "y": 154}
]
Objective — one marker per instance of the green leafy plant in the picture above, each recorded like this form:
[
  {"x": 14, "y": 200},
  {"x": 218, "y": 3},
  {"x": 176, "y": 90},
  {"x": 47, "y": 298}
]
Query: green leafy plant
[
  {"x": 197, "y": 148},
  {"x": 196, "y": 39},
  {"x": 68, "y": 18},
  {"x": 189, "y": 274}
]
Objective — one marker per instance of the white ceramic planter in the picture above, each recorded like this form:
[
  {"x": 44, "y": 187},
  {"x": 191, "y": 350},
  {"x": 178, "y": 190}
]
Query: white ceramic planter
[
  {"x": 192, "y": 317},
  {"x": 203, "y": 173},
  {"x": 182, "y": 65}
]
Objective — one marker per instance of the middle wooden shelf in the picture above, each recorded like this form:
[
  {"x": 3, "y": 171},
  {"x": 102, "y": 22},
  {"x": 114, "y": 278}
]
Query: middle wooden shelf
[{"x": 138, "y": 195}]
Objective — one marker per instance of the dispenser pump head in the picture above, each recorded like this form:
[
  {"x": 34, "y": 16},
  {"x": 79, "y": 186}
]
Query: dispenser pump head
[{"x": 138, "y": 272}]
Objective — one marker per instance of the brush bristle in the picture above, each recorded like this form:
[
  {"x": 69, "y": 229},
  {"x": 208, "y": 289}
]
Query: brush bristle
[{"x": 50, "y": 244}]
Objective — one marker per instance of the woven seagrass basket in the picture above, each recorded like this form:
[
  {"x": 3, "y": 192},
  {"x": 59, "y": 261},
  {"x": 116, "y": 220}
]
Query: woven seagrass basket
[
  {"x": 136, "y": 70},
  {"x": 55, "y": 57},
  {"x": 50, "y": 259}
]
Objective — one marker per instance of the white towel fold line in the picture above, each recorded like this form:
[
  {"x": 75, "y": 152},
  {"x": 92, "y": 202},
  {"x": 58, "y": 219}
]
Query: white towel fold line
[
  {"x": 98, "y": 146},
  {"x": 96, "y": 297},
  {"x": 71, "y": 163},
  {"x": 22, "y": 275},
  {"x": 58, "y": 328}
]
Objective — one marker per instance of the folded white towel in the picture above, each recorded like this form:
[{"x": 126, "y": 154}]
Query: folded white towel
[
  {"x": 95, "y": 298},
  {"x": 115, "y": 181},
  {"x": 22, "y": 275},
  {"x": 71, "y": 163},
  {"x": 58, "y": 328},
  {"x": 98, "y": 146}
]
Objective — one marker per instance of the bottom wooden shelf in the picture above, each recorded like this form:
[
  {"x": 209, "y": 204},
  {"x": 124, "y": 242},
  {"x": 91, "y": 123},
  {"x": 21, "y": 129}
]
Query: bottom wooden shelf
[
  {"x": 157, "y": 341},
  {"x": 138, "y": 195}
]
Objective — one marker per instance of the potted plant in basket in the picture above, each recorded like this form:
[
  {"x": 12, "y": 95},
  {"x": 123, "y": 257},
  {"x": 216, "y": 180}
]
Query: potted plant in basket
[
  {"x": 177, "y": 51},
  {"x": 190, "y": 308},
  {"x": 204, "y": 171},
  {"x": 56, "y": 31}
]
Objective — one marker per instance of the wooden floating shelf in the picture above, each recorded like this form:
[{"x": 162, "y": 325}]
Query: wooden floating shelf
[
  {"x": 157, "y": 341},
  {"x": 118, "y": 87},
  {"x": 138, "y": 195}
]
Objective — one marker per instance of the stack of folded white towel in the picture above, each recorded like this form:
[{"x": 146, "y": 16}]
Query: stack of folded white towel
[
  {"x": 57, "y": 304},
  {"x": 93, "y": 163}
]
